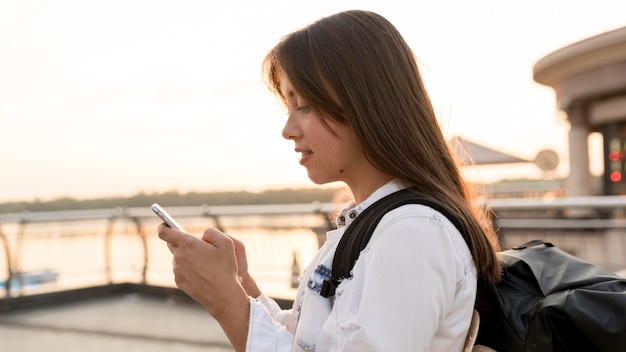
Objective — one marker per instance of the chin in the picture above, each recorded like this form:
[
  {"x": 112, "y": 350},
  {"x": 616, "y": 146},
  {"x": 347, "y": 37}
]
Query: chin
[
  {"x": 320, "y": 180},
  {"x": 316, "y": 179}
]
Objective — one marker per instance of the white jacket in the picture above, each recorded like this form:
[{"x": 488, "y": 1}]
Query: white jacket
[{"x": 413, "y": 289}]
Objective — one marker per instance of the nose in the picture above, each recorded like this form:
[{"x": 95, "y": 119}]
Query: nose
[{"x": 291, "y": 130}]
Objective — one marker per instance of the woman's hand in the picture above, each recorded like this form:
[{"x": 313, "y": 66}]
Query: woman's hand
[
  {"x": 242, "y": 263},
  {"x": 206, "y": 269},
  {"x": 202, "y": 268}
]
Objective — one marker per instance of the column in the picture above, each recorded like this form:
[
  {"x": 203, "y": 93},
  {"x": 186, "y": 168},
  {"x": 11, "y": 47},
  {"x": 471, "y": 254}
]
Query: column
[{"x": 579, "y": 180}]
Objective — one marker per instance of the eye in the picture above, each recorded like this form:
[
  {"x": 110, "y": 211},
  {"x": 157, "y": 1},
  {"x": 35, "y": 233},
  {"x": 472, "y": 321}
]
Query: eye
[{"x": 303, "y": 108}]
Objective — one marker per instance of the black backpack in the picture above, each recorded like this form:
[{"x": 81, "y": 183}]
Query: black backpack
[{"x": 547, "y": 300}]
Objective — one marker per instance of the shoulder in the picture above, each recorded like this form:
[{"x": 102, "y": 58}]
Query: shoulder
[
  {"x": 415, "y": 218},
  {"x": 423, "y": 229}
]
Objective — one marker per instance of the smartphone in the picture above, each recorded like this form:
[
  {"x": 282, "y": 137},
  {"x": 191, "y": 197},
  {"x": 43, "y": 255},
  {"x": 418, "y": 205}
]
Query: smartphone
[{"x": 167, "y": 218}]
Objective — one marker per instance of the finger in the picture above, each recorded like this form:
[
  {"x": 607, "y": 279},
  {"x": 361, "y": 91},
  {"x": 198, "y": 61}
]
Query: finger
[
  {"x": 171, "y": 247},
  {"x": 170, "y": 235},
  {"x": 235, "y": 240},
  {"x": 214, "y": 236}
]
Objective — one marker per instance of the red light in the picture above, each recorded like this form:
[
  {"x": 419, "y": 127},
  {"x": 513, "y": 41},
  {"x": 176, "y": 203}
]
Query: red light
[
  {"x": 615, "y": 155},
  {"x": 615, "y": 176}
]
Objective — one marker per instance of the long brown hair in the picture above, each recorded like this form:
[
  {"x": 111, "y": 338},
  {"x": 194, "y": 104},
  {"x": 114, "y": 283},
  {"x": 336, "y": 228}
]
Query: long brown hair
[{"x": 356, "y": 68}]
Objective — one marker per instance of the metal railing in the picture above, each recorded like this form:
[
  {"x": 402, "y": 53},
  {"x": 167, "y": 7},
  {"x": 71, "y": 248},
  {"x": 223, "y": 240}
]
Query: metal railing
[
  {"x": 576, "y": 217},
  {"x": 130, "y": 222}
]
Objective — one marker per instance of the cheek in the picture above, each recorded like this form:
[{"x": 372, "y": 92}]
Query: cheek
[
  {"x": 338, "y": 148},
  {"x": 331, "y": 146}
]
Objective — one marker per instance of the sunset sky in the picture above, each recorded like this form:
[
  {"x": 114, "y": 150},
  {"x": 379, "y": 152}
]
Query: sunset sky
[{"x": 110, "y": 98}]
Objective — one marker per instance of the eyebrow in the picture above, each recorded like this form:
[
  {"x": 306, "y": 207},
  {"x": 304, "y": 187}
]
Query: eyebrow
[{"x": 289, "y": 96}]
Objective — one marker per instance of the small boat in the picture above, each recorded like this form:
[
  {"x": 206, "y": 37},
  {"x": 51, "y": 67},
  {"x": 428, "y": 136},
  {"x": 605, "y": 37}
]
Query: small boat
[{"x": 31, "y": 278}]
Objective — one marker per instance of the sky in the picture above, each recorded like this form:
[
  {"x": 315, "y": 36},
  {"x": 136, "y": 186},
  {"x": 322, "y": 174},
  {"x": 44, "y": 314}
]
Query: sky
[{"x": 112, "y": 98}]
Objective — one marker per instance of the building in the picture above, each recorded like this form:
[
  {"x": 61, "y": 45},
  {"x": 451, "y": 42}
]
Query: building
[{"x": 589, "y": 79}]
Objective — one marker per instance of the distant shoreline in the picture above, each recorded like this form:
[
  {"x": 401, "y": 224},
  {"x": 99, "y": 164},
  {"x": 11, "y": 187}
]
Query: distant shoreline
[{"x": 284, "y": 196}]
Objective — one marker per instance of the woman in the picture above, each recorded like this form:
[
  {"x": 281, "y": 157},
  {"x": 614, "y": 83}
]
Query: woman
[{"x": 357, "y": 113}]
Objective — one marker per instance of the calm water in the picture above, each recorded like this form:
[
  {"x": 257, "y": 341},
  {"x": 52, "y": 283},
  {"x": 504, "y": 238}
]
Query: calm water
[{"x": 81, "y": 254}]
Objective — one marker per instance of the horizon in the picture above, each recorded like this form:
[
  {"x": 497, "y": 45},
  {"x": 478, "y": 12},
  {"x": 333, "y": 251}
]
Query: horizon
[{"x": 335, "y": 186}]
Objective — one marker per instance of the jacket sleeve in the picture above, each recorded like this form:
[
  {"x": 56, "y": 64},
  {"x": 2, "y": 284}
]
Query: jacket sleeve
[{"x": 266, "y": 329}]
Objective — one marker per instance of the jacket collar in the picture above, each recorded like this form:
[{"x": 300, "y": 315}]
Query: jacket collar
[{"x": 353, "y": 210}]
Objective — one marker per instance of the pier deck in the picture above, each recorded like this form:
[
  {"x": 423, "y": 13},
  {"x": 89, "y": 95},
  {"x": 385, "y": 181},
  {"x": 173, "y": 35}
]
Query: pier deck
[{"x": 124, "y": 321}]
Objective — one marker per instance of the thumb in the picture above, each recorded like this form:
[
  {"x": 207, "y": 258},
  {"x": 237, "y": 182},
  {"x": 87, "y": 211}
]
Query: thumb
[{"x": 170, "y": 235}]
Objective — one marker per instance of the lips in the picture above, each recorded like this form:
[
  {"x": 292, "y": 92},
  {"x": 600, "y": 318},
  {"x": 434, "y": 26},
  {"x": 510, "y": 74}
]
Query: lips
[{"x": 304, "y": 154}]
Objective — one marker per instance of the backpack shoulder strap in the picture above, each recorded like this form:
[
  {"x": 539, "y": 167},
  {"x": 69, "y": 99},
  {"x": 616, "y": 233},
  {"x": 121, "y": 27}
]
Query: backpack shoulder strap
[{"x": 360, "y": 231}]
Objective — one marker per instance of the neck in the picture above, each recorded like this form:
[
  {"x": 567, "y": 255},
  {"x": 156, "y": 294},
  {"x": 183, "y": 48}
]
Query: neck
[{"x": 368, "y": 185}]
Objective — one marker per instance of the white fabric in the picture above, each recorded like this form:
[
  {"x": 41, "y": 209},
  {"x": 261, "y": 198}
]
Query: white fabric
[{"x": 413, "y": 289}]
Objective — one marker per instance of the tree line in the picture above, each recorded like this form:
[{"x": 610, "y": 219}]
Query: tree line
[{"x": 172, "y": 198}]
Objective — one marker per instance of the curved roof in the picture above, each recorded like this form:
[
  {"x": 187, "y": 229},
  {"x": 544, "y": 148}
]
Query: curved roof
[{"x": 588, "y": 54}]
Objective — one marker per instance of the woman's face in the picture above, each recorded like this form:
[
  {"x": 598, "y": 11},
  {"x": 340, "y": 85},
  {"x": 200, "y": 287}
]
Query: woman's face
[{"x": 329, "y": 154}]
